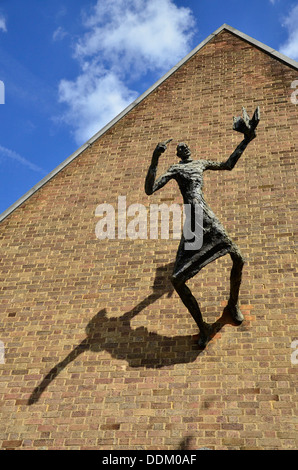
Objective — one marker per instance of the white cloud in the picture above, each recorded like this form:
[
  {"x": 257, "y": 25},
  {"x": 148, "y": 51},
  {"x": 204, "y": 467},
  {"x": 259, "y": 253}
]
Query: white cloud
[
  {"x": 124, "y": 39},
  {"x": 290, "y": 47},
  {"x": 3, "y": 24},
  {"x": 11, "y": 154},
  {"x": 93, "y": 100},
  {"x": 138, "y": 33},
  {"x": 59, "y": 34}
]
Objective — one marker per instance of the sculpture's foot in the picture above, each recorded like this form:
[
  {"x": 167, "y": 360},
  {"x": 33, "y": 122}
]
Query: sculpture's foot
[
  {"x": 205, "y": 334},
  {"x": 235, "y": 313}
]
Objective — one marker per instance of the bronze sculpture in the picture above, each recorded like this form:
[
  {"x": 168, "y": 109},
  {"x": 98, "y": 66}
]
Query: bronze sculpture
[{"x": 216, "y": 243}]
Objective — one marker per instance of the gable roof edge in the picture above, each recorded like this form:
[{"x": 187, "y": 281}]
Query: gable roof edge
[
  {"x": 81, "y": 149},
  {"x": 260, "y": 45}
]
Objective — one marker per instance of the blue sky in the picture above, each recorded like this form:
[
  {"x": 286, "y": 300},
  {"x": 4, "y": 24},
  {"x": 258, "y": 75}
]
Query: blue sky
[{"x": 69, "y": 67}]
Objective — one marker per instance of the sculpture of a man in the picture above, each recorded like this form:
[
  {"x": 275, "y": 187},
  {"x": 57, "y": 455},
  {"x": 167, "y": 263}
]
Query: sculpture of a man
[{"x": 216, "y": 243}]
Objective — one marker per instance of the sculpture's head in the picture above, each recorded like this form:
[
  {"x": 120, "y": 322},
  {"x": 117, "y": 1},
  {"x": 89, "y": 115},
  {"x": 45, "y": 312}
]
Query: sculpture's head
[{"x": 183, "y": 151}]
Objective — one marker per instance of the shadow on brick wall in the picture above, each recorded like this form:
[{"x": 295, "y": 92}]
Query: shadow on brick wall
[{"x": 139, "y": 347}]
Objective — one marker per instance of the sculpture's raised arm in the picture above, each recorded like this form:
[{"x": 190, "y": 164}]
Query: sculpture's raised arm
[
  {"x": 247, "y": 127},
  {"x": 150, "y": 184}
]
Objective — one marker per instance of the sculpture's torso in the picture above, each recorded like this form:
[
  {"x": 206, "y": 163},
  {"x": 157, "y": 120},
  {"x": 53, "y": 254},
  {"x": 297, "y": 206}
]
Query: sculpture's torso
[{"x": 189, "y": 176}]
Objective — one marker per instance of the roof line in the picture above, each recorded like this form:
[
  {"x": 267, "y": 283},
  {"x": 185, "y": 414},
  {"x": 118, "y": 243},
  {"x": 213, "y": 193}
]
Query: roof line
[{"x": 81, "y": 149}]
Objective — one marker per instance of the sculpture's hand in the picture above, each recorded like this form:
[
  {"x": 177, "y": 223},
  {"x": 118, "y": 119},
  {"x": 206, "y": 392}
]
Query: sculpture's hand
[
  {"x": 247, "y": 126},
  {"x": 162, "y": 147}
]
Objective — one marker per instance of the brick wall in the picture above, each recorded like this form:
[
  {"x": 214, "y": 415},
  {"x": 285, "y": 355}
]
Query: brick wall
[{"x": 100, "y": 352}]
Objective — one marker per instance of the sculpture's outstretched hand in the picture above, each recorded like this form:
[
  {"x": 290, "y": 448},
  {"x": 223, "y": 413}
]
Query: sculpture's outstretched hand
[{"x": 247, "y": 126}]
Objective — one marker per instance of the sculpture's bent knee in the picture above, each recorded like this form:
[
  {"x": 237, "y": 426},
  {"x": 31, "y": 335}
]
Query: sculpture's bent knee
[{"x": 176, "y": 282}]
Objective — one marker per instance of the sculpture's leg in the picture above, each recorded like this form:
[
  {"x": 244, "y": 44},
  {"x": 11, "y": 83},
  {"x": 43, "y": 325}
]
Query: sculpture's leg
[
  {"x": 191, "y": 304},
  {"x": 235, "y": 281}
]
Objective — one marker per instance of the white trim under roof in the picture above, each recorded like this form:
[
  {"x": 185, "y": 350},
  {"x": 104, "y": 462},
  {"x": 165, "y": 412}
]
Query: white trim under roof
[{"x": 260, "y": 45}]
